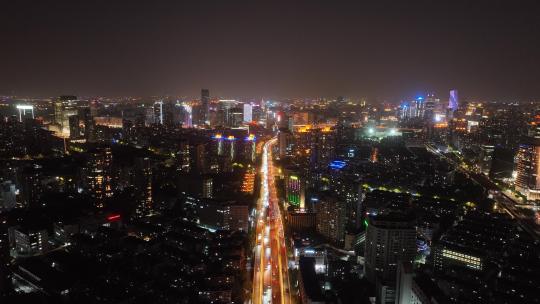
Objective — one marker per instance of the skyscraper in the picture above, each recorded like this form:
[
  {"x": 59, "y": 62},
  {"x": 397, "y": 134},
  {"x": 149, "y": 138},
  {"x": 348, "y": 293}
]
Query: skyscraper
[
  {"x": 248, "y": 112},
  {"x": 331, "y": 218},
  {"x": 158, "y": 112},
  {"x": 98, "y": 176},
  {"x": 205, "y": 110},
  {"x": 453, "y": 101}
]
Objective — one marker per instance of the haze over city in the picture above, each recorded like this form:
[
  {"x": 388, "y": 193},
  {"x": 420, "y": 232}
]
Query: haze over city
[{"x": 384, "y": 51}]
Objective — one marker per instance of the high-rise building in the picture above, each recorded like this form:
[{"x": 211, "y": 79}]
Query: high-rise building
[
  {"x": 331, "y": 218},
  {"x": 207, "y": 188},
  {"x": 285, "y": 143},
  {"x": 205, "y": 107},
  {"x": 158, "y": 112},
  {"x": 431, "y": 105},
  {"x": 89, "y": 124},
  {"x": 390, "y": 238},
  {"x": 143, "y": 185},
  {"x": 528, "y": 162},
  {"x": 248, "y": 112},
  {"x": 453, "y": 101},
  {"x": 295, "y": 190},
  {"x": 99, "y": 175},
  {"x": 528, "y": 168},
  {"x": 74, "y": 128}
]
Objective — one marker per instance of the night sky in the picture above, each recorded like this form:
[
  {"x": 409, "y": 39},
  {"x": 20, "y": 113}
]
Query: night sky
[{"x": 488, "y": 50}]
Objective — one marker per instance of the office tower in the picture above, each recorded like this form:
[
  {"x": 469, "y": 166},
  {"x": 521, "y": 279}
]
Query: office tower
[
  {"x": 187, "y": 116},
  {"x": 453, "y": 101},
  {"x": 207, "y": 188},
  {"x": 98, "y": 176},
  {"x": 158, "y": 112},
  {"x": 419, "y": 107},
  {"x": 331, "y": 218},
  {"x": 205, "y": 107},
  {"x": 74, "y": 128},
  {"x": 430, "y": 107},
  {"x": 248, "y": 112},
  {"x": 170, "y": 117},
  {"x": 390, "y": 238}
]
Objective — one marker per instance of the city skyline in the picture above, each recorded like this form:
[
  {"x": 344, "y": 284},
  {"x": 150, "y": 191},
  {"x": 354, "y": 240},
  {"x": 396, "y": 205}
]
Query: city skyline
[{"x": 487, "y": 50}]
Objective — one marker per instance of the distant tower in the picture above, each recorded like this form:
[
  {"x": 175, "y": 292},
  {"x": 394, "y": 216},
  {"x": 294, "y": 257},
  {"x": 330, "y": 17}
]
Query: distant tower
[
  {"x": 205, "y": 103},
  {"x": 158, "y": 112},
  {"x": 248, "y": 112},
  {"x": 453, "y": 101}
]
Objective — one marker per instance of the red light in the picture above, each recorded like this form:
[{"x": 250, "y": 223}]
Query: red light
[{"x": 113, "y": 217}]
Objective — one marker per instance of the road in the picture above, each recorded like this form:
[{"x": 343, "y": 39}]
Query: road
[
  {"x": 510, "y": 205},
  {"x": 270, "y": 267}
]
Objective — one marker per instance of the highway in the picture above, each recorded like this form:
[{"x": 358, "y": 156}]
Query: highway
[{"x": 270, "y": 268}]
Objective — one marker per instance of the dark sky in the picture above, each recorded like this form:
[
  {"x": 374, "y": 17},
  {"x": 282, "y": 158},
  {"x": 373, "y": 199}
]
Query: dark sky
[{"x": 388, "y": 50}]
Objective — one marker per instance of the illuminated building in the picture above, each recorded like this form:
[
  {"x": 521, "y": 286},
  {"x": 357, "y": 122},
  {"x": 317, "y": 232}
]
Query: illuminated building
[
  {"x": 295, "y": 190},
  {"x": 447, "y": 255},
  {"x": 301, "y": 220},
  {"x": 453, "y": 101},
  {"x": 143, "y": 186},
  {"x": 248, "y": 112},
  {"x": 248, "y": 182},
  {"x": 74, "y": 127},
  {"x": 528, "y": 168},
  {"x": 323, "y": 145},
  {"x": 28, "y": 241},
  {"x": 331, "y": 218},
  {"x": 99, "y": 175},
  {"x": 63, "y": 108},
  {"x": 89, "y": 124},
  {"x": 431, "y": 107},
  {"x": 158, "y": 112},
  {"x": 419, "y": 107},
  {"x": 207, "y": 188},
  {"x": 390, "y": 238},
  {"x": 285, "y": 143},
  {"x": 250, "y": 148},
  {"x": 22, "y": 111}
]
